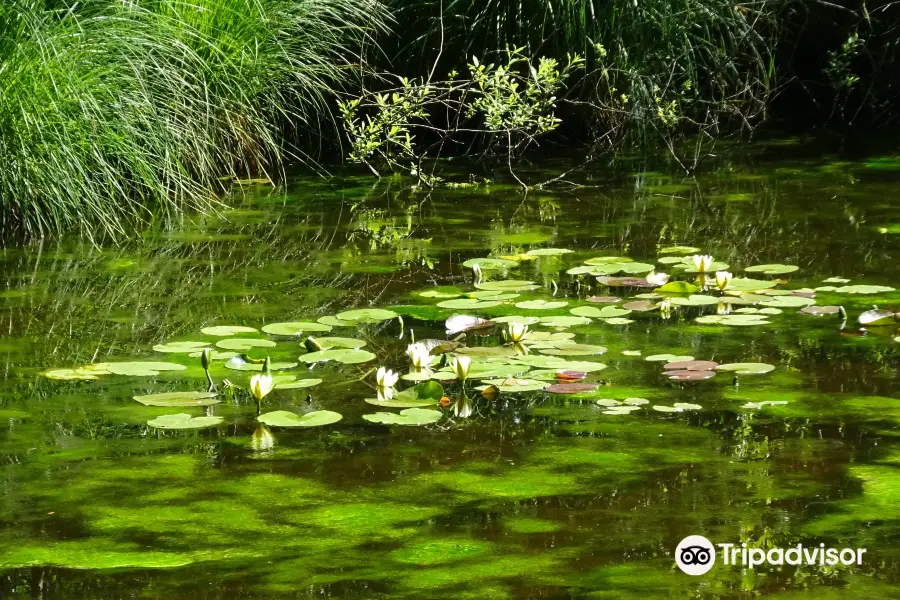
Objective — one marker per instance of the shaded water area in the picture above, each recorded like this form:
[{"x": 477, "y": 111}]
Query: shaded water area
[{"x": 532, "y": 494}]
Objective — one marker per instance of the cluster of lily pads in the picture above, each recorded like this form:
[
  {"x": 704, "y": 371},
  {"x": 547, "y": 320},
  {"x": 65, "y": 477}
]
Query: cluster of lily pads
[{"x": 531, "y": 351}]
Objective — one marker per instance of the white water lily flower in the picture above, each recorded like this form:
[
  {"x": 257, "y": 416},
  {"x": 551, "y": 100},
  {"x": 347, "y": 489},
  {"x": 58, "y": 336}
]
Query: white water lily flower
[
  {"x": 723, "y": 278},
  {"x": 261, "y": 385},
  {"x": 518, "y": 332},
  {"x": 702, "y": 262},
  {"x": 385, "y": 394},
  {"x": 460, "y": 367},
  {"x": 476, "y": 272},
  {"x": 419, "y": 356},
  {"x": 386, "y": 378},
  {"x": 723, "y": 308},
  {"x": 657, "y": 278}
]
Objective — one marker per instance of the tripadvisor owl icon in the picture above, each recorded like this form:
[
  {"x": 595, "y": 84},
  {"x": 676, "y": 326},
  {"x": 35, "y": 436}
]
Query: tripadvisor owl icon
[{"x": 695, "y": 555}]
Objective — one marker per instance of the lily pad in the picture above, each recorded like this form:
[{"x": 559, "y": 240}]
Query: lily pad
[
  {"x": 298, "y": 384},
  {"x": 819, "y": 311},
  {"x": 244, "y": 344},
  {"x": 227, "y": 330},
  {"x": 519, "y": 319},
  {"x": 424, "y": 394},
  {"x": 733, "y": 320},
  {"x": 835, "y": 280},
  {"x": 332, "y": 321},
  {"x": 183, "y": 421},
  {"x": 678, "y": 287},
  {"x": 571, "y": 388},
  {"x": 629, "y": 268},
  {"x": 138, "y": 369},
  {"x": 541, "y": 304},
  {"x": 639, "y": 282},
  {"x": 283, "y": 418},
  {"x": 691, "y": 365},
  {"x": 178, "y": 399},
  {"x": 606, "y": 260},
  {"x": 180, "y": 347},
  {"x": 294, "y": 328},
  {"x": 490, "y": 264},
  {"x": 602, "y": 299},
  {"x": 679, "y": 250},
  {"x": 512, "y": 385},
  {"x": 667, "y": 358},
  {"x": 747, "y": 284},
  {"x": 564, "y": 321},
  {"x": 215, "y": 355},
  {"x": 340, "y": 342},
  {"x": 341, "y": 355},
  {"x": 367, "y": 315},
  {"x": 510, "y": 285},
  {"x": 607, "y": 312},
  {"x": 640, "y": 306},
  {"x": 685, "y": 375},
  {"x": 687, "y": 406},
  {"x": 863, "y": 289},
  {"x": 618, "y": 321},
  {"x": 788, "y": 302},
  {"x": 468, "y": 303},
  {"x": 491, "y": 295},
  {"x": 239, "y": 364},
  {"x": 747, "y": 368},
  {"x": 71, "y": 374},
  {"x": 410, "y": 416},
  {"x": 548, "y": 252},
  {"x": 773, "y": 269},
  {"x": 573, "y": 349},
  {"x": 694, "y": 300}
]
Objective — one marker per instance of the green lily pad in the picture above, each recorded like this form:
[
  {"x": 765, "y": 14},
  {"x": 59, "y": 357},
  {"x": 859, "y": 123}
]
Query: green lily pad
[
  {"x": 548, "y": 252},
  {"x": 244, "y": 344},
  {"x": 298, "y": 384},
  {"x": 180, "y": 347},
  {"x": 490, "y": 264},
  {"x": 549, "y": 336},
  {"x": 367, "y": 315},
  {"x": 746, "y": 284},
  {"x": 410, "y": 416},
  {"x": 138, "y": 369},
  {"x": 694, "y": 300},
  {"x": 678, "y": 287},
  {"x": 564, "y": 321},
  {"x": 71, "y": 374},
  {"x": 835, "y": 280},
  {"x": 294, "y": 328},
  {"x": 332, "y": 321},
  {"x": 424, "y": 394},
  {"x": 560, "y": 364},
  {"x": 679, "y": 250},
  {"x": 468, "y": 303},
  {"x": 491, "y": 295},
  {"x": 607, "y": 312},
  {"x": 521, "y": 320},
  {"x": 283, "y": 418},
  {"x": 178, "y": 399},
  {"x": 667, "y": 358},
  {"x": 510, "y": 285},
  {"x": 239, "y": 364},
  {"x": 630, "y": 268},
  {"x": 340, "y": 342},
  {"x": 573, "y": 349},
  {"x": 215, "y": 355},
  {"x": 512, "y": 385},
  {"x": 772, "y": 269},
  {"x": 605, "y": 260},
  {"x": 227, "y": 330},
  {"x": 863, "y": 289},
  {"x": 747, "y": 368},
  {"x": 341, "y": 355},
  {"x": 541, "y": 304},
  {"x": 788, "y": 302},
  {"x": 618, "y": 321},
  {"x": 183, "y": 421},
  {"x": 733, "y": 320}
]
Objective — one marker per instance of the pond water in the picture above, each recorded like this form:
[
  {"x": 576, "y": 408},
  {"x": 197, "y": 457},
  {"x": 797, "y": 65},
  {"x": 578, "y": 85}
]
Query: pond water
[{"x": 529, "y": 494}]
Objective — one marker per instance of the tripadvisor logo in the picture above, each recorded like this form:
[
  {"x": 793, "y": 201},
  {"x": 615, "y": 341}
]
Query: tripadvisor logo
[{"x": 696, "y": 555}]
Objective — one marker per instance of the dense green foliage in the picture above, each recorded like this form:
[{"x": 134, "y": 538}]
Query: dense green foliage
[{"x": 114, "y": 112}]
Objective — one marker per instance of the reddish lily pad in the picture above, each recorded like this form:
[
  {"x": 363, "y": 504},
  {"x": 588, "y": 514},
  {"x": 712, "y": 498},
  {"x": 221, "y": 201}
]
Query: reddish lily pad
[
  {"x": 626, "y": 282},
  {"x": 567, "y": 375},
  {"x": 602, "y": 299},
  {"x": 691, "y": 365}
]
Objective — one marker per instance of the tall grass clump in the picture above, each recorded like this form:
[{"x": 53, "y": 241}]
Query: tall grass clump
[
  {"x": 119, "y": 112},
  {"x": 652, "y": 65}
]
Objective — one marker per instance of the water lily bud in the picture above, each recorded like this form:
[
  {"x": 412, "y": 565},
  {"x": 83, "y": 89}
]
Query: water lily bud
[
  {"x": 723, "y": 278},
  {"x": 460, "y": 367},
  {"x": 205, "y": 358},
  {"x": 312, "y": 344},
  {"x": 267, "y": 365},
  {"x": 261, "y": 385}
]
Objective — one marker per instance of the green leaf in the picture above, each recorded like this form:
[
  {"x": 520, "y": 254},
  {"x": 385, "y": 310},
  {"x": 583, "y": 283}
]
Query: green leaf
[
  {"x": 772, "y": 269},
  {"x": 244, "y": 344},
  {"x": 367, "y": 315},
  {"x": 541, "y": 304},
  {"x": 283, "y": 418},
  {"x": 178, "y": 399},
  {"x": 345, "y": 356},
  {"x": 180, "y": 347},
  {"x": 138, "y": 369},
  {"x": 678, "y": 287},
  {"x": 294, "y": 328},
  {"x": 183, "y": 421},
  {"x": 227, "y": 330},
  {"x": 410, "y": 416}
]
